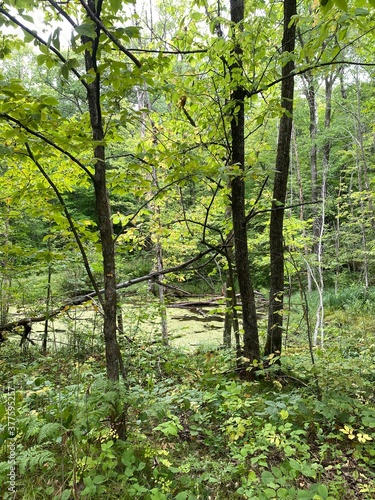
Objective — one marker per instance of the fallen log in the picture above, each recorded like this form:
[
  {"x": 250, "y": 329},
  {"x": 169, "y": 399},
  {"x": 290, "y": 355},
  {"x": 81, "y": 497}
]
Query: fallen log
[{"x": 81, "y": 299}]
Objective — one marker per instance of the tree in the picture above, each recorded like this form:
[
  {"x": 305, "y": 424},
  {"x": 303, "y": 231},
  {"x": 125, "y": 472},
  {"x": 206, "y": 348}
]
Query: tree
[
  {"x": 251, "y": 350},
  {"x": 276, "y": 303},
  {"x": 212, "y": 85}
]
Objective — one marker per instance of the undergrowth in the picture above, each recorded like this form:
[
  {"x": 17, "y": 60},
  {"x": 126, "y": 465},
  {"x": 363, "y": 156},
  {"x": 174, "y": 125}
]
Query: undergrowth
[{"x": 194, "y": 430}]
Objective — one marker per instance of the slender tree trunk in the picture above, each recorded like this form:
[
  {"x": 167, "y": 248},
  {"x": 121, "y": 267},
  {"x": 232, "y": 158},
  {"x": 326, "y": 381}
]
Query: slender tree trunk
[
  {"x": 319, "y": 281},
  {"x": 228, "y": 318},
  {"x": 319, "y": 325},
  {"x": 313, "y": 130},
  {"x": 231, "y": 316},
  {"x": 302, "y": 203},
  {"x": 310, "y": 93},
  {"x": 359, "y": 168},
  {"x": 160, "y": 267},
  {"x": 48, "y": 306},
  {"x": 113, "y": 356},
  {"x": 337, "y": 240},
  {"x": 367, "y": 212},
  {"x": 250, "y": 326},
  {"x": 144, "y": 102},
  {"x": 276, "y": 300},
  {"x": 6, "y": 275},
  {"x": 114, "y": 363}
]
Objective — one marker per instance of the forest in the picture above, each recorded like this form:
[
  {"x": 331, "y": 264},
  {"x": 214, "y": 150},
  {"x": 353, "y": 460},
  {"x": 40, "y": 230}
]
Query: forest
[{"x": 187, "y": 249}]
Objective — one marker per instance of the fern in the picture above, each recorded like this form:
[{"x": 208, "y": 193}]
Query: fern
[
  {"x": 31, "y": 425},
  {"x": 49, "y": 432},
  {"x": 34, "y": 457},
  {"x": 4, "y": 469}
]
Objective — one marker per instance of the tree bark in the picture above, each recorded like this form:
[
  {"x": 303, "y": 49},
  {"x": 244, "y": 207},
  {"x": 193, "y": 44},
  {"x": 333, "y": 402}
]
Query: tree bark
[
  {"x": 251, "y": 349},
  {"x": 310, "y": 92},
  {"x": 114, "y": 362},
  {"x": 276, "y": 301}
]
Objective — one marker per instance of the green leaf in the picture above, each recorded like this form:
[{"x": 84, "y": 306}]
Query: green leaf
[
  {"x": 64, "y": 72},
  {"x": 115, "y": 5},
  {"x": 267, "y": 477},
  {"x": 197, "y": 16},
  {"x": 56, "y": 38},
  {"x": 90, "y": 487},
  {"x": 283, "y": 493},
  {"x": 99, "y": 479},
  {"x": 183, "y": 495},
  {"x": 132, "y": 31},
  {"x": 368, "y": 421},
  {"x": 284, "y": 414},
  {"x": 304, "y": 495},
  {"x": 156, "y": 494},
  {"x": 50, "y": 101},
  {"x": 342, "y": 4},
  {"x": 40, "y": 59},
  {"x": 294, "y": 464},
  {"x": 66, "y": 494},
  {"x": 361, "y": 12},
  {"x": 323, "y": 491},
  {"x": 86, "y": 29}
]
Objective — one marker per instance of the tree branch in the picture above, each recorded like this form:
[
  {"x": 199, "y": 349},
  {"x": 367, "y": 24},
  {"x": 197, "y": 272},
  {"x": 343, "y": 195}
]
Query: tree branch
[
  {"x": 70, "y": 222},
  {"x": 81, "y": 299},
  {"x": 115, "y": 40},
  {"x": 47, "y": 141},
  {"x": 42, "y": 42}
]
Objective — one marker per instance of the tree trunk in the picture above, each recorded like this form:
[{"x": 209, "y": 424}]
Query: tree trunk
[
  {"x": 114, "y": 363},
  {"x": 310, "y": 93},
  {"x": 48, "y": 305},
  {"x": 6, "y": 275},
  {"x": 144, "y": 102},
  {"x": 250, "y": 326},
  {"x": 276, "y": 301},
  {"x": 231, "y": 315}
]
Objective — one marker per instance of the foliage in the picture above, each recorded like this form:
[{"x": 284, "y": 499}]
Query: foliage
[{"x": 194, "y": 430}]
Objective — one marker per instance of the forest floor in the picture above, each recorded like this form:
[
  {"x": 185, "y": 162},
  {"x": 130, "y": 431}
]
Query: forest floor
[{"x": 194, "y": 429}]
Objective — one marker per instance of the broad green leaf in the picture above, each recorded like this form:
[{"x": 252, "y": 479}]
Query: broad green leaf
[
  {"x": 284, "y": 414},
  {"x": 86, "y": 29},
  {"x": 132, "y": 31},
  {"x": 50, "y": 101},
  {"x": 361, "y": 12},
  {"x": 323, "y": 491},
  {"x": 99, "y": 479},
  {"x": 41, "y": 59},
  {"x": 66, "y": 495},
  {"x": 56, "y": 38},
  {"x": 64, "y": 70},
  {"x": 342, "y": 4},
  {"x": 115, "y": 5},
  {"x": 267, "y": 477}
]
